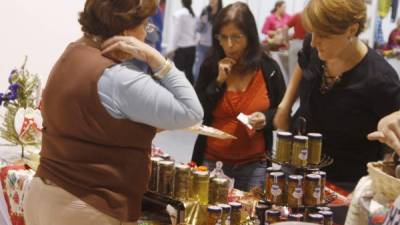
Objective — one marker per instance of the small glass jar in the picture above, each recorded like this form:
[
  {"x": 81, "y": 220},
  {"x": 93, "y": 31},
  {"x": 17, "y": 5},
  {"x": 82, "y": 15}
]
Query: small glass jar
[
  {"x": 315, "y": 218},
  {"x": 272, "y": 216},
  {"x": 226, "y": 213},
  {"x": 267, "y": 173},
  {"x": 300, "y": 151},
  {"x": 181, "y": 182},
  {"x": 213, "y": 214},
  {"x": 154, "y": 173},
  {"x": 284, "y": 147},
  {"x": 276, "y": 188},
  {"x": 165, "y": 176},
  {"x": 323, "y": 183},
  {"x": 328, "y": 217},
  {"x": 200, "y": 186},
  {"x": 218, "y": 191},
  {"x": 236, "y": 216},
  {"x": 295, "y": 191},
  {"x": 296, "y": 217},
  {"x": 314, "y": 148},
  {"x": 312, "y": 190}
]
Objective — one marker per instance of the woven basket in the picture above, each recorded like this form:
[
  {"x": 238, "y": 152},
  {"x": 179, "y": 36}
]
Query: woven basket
[{"x": 383, "y": 183}]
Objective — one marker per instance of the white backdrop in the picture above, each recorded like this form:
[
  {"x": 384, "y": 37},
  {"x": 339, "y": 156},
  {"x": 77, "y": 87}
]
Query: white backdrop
[{"x": 41, "y": 29}]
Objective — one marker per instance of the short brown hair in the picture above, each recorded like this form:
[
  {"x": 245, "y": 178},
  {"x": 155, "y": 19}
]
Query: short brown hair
[
  {"x": 334, "y": 16},
  {"x": 106, "y": 18}
]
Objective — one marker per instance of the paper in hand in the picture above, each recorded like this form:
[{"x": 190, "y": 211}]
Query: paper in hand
[{"x": 245, "y": 120}]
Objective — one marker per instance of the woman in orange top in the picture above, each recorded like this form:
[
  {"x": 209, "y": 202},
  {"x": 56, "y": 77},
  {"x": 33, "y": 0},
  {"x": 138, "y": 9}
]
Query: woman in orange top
[{"x": 238, "y": 78}]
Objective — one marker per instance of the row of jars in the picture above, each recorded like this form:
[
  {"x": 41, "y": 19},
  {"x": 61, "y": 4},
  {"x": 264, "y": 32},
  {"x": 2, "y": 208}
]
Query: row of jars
[
  {"x": 265, "y": 215},
  {"x": 298, "y": 150},
  {"x": 224, "y": 214},
  {"x": 185, "y": 183},
  {"x": 295, "y": 190}
]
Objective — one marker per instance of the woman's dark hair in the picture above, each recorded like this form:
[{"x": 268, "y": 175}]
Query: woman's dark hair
[
  {"x": 106, "y": 18},
  {"x": 188, "y": 4},
  {"x": 208, "y": 11},
  {"x": 240, "y": 15},
  {"x": 278, "y": 4}
]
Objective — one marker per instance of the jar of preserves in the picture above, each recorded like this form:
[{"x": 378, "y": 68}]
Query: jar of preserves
[
  {"x": 328, "y": 217},
  {"x": 314, "y": 148},
  {"x": 165, "y": 176},
  {"x": 283, "y": 147},
  {"x": 295, "y": 191},
  {"x": 213, "y": 215},
  {"x": 276, "y": 188},
  {"x": 181, "y": 182},
  {"x": 226, "y": 214},
  {"x": 218, "y": 190},
  {"x": 315, "y": 218},
  {"x": 272, "y": 216},
  {"x": 300, "y": 151},
  {"x": 267, "y": 173},
  {"x": 154, "y": 173},
  {"x": 236, "y": 216},
  {"x": 323, "y": 183},
  {"x": 200, "y": 186},
  {"x": 296, "y": 217},
  {"x": 312, "y": 190}
]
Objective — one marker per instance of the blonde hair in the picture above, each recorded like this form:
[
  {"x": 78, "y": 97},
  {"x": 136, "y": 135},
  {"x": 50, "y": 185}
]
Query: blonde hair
[{"x": 329, "y": 17}]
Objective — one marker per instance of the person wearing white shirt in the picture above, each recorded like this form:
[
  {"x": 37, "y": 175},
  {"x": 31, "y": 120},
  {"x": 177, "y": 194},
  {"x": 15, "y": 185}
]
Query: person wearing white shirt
[{"x": 183, "y": 43}]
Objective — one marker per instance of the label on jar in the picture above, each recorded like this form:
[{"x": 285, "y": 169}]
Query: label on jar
[
  {"x": 303, "y": 154},
  {"x": 298, "y": 192},
  {"x": 275, "y": 190},
  {"x": 317, "y": 193}
]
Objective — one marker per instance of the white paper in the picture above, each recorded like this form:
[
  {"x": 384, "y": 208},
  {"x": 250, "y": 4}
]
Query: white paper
[{"x": 245, "y": 120}]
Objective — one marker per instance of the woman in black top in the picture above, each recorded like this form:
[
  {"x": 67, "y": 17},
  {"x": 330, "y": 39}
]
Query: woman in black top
[
  {"x": 344, "y": 87},
  {"x": 234, "y": 61}
]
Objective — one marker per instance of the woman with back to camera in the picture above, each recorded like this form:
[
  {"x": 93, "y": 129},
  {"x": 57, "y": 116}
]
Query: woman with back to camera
[
  {"x": 94, "y": 164},
  {"x": 204, "y": 30},
  {"x": 237, "y": 77},
  {"x": 344, "y": 87}
]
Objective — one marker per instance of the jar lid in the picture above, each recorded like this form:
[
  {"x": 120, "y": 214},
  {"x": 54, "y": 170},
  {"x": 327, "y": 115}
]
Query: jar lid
[
  {"x": 166, "y": 163},
  {"x": 273, "y": 169},
  {"x": 214, "y": 208},
  {"x": 313, "y": 177},
  {"x": 295, "y": 177},
  {"x": 182, "y": 167},
  {"x": 235, "y": 205},
  {"x": 315, "y": 217},
  {"x": 295, "y": 216},
  {"x": 225, "y": 207},
  {"x": 262, "y": 207},
  {"x": 272, "y": 212},
  {"x": 284, "y": 134},
  {"x": 321, "y": 173},
  {"x": 312, "y": 170},
  {"x": 300, "y": 138},
  {"x": 326, "y": 214},
  {"x": 314, "y": 136},
  {"x": 201, "y": 173},
  {"x": 277, "y": 174},
  {"x": 220, "y": 180},
  {"x": 263, "y": 202},
  {"x": 156, "y": 159},
  {"x": 323, "y": 208}
]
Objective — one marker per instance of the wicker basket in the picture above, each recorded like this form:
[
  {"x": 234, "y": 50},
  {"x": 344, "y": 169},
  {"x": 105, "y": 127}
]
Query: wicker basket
[{"x": 383, "y": 183}]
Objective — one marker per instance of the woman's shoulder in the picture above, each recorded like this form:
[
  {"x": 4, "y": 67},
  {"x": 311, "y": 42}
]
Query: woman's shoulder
[{"x": 378, "y": 67}]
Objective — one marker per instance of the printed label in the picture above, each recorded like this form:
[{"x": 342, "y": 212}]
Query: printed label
[
  {"x": 317, "y": 193},
  {"x": 275, "y": 190},
  {"x": 298, "y": 193},
  {"x": 303, "y": 154}
]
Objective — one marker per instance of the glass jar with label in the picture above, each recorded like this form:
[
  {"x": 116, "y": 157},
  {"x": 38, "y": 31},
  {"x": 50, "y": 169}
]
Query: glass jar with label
[
  {"x": 315, "y": 218},
  {"x": 267, "y": 173},
  {"x": 276, "y": 188},
  {"x": 200, "y": 186},
  {"x": 154, "y": 173},
  {"x": 283, "y": 147},
  {"x": 165, "y": 176},
  {"x": 323, "y": 183},
  {"x": 300, "y": 151},
  {"x": 218, "y": 190},
  {"x": 181, "y": 182},
  {"x": 295, "y": 191},
  {"x": 226, "y": 214},
  {"x": 314, "y": 148},
  {"x": 328, "y": 217},
  {"x": 272, "y": 216},
  {"x": 236, "y": 216},
  {"x": 214, "y": 215},
  {"x": 312, "y": 190}
]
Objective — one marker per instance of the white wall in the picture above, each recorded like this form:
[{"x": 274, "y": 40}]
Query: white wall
[{"x": 41, "y": 29}]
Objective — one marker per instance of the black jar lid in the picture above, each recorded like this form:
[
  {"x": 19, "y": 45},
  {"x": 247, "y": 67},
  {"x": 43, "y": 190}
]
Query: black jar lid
[
  {"x": 235, "y": 205},
  {"x": 214, "y": 208}
]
